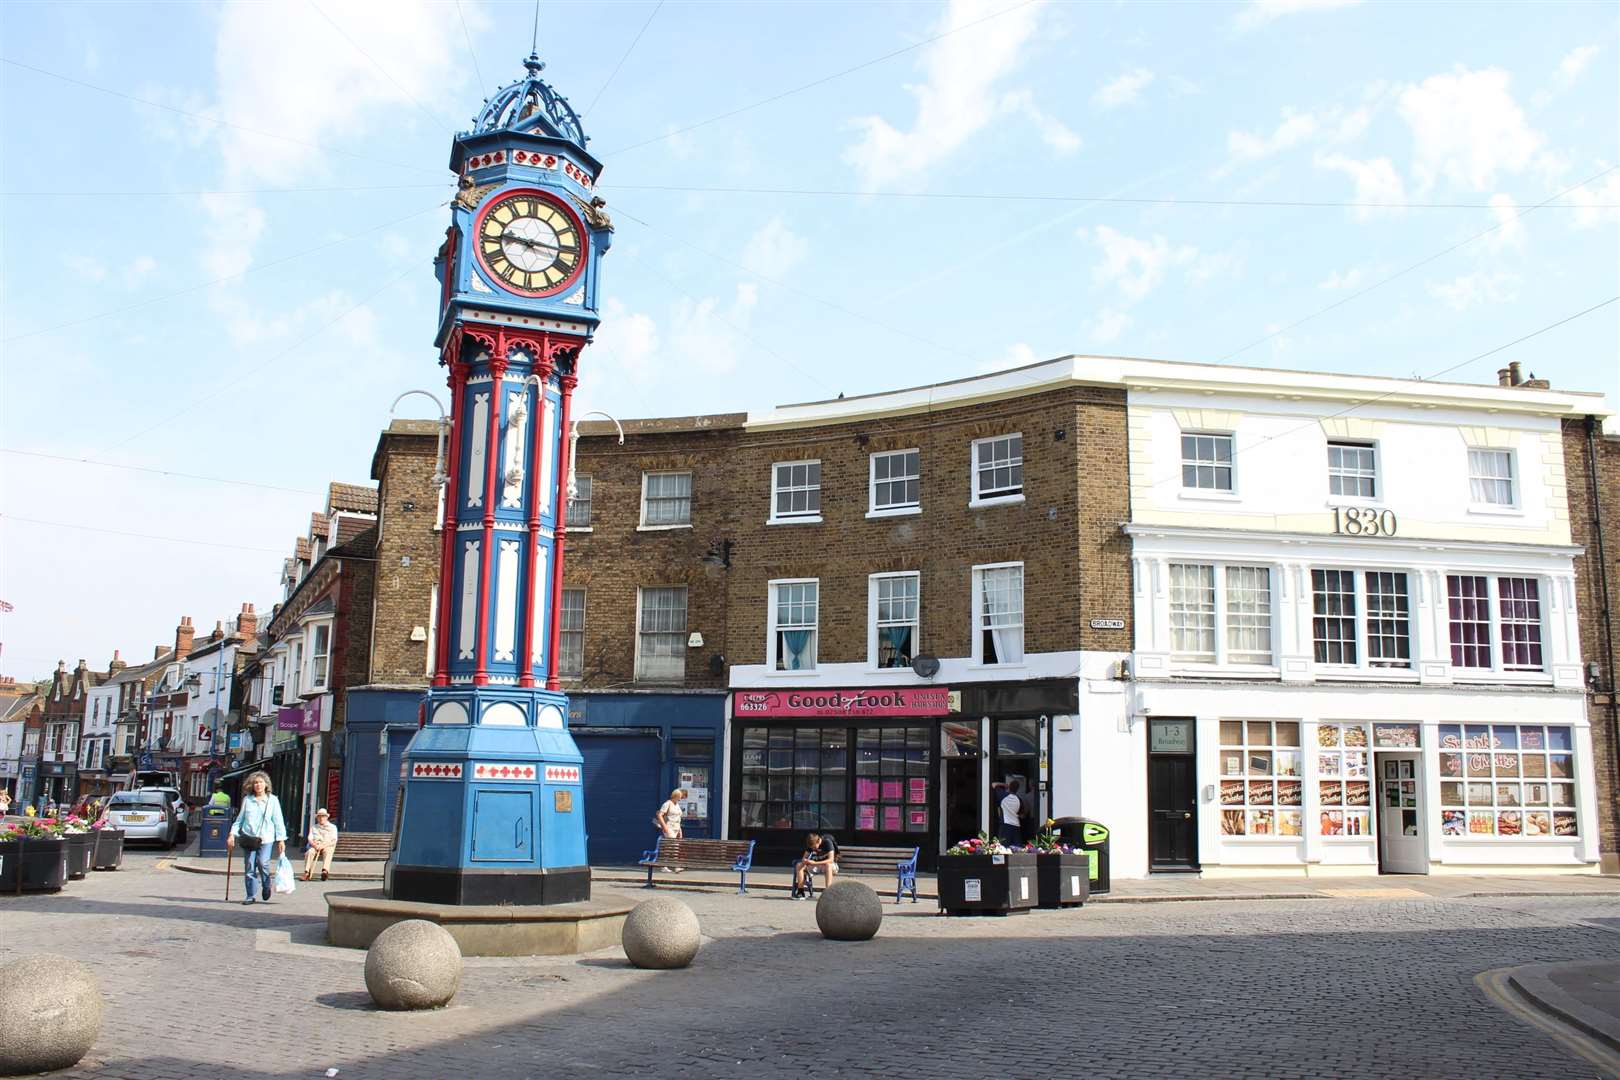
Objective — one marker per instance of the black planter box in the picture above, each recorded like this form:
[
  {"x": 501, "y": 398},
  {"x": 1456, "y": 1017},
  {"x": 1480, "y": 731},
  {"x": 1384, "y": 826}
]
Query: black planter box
[
  {"x": 1062, "y": 879},
  {"x": 108, "y": 853},
  {"x": 10, "y": 863},
  {"x": 987, "y": 884},
  {"x": 44, "y": 864},
  {"x": 79, "y": 848}
]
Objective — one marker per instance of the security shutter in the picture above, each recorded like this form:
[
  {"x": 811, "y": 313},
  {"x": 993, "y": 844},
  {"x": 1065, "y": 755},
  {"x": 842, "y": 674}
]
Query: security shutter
[{"x": 623, "y": 791}]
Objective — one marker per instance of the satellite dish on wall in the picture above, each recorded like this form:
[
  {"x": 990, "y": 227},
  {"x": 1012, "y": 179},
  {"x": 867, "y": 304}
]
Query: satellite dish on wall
[
  {"x": 926, "y": 665},
  {"x": 717, "y": 664}
]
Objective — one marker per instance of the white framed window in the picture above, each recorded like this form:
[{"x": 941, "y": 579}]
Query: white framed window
[
  {"x": 796, "y": 491},
  {"x": 1262, "y": 788},
  {"x": 998, "y": 469},
  {"x": 579, "y": 507},
  {"x": 998, "y": 614},
  {"x": 571, "y": 643},
  {"x": 1361, "y": 619},
  {"x": 1469, "y": 608},
  {"x": 1507, "y": 780},
  {"x": 1220, "y": 614},
  {"x": 1352, "y": 470},
  {"x": 661, "y": 634},
  {"x": 893, "y": 601},
  {"x": 896, "y": 482},
  {"x": 794, "y": 615},
  {"x": 1206, "y": 461},
  {"x": 1518, "y": 606},
  {"x": 1491, "y": 478},
  {"x": 295, "y": 672},
  {"x": 666, "y": 500},
  {"x": 320, "y": 649},
  {"x": 1485, "y": 610}
]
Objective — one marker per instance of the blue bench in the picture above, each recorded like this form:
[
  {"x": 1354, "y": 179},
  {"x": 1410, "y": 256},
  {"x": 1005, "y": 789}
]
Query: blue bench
[
  {"x": 902, "y": 862},
  {"x": 682, "y": 854}
]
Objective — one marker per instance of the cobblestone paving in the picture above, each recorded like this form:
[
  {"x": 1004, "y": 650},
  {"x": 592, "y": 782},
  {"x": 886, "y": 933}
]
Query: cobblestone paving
[{"x": 1320, "y": 988}]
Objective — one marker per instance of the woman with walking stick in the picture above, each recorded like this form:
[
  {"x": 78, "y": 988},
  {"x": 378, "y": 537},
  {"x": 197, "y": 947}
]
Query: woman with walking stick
[{"x": 260, "y": 831}]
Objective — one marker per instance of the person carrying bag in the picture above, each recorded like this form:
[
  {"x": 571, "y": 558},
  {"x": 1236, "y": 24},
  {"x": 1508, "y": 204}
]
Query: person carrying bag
[{"x": 260, "y": 831}]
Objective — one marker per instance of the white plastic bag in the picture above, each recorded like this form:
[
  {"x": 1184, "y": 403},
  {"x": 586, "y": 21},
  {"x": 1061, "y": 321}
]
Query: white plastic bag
[{"x": 284, "y": 875}]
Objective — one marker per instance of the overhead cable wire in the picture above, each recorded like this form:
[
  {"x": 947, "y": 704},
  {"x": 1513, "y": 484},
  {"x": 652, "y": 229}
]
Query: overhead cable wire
[
  {"x": 140, "y": 536},
  {"x": 291, "y": 348},
  {"x": 634, "y": 42},
  {"x": 156, "y": 471},
  {"x": 817, "y": 82},
  {"x": 1415, "y": 266},
  {"x": 472, "y": 52},
  {"x": 211, "y": 119},
  {"x": 219, "y": 280},
  {"x": 344, "y": 34},
  {"x": 192, "y": 192}
]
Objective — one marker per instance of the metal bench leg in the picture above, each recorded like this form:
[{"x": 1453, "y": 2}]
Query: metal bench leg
[
  {"x": 649, "y": 878},
  {"x": 742, "y": 882}
]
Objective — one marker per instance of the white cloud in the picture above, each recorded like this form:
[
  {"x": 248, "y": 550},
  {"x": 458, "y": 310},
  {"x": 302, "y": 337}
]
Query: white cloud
[
  {"x": 86, "y": 268},
  {"x": 1479, "y": 287},
  {"x": 957, "y": 98},
  {"x": 1107, "y": 325},
  {"x": 626, "y": 343},
  {"x": 1337, "y": 281},
  {"x": 1124, "y": 89},
  {"x": 1510, "y": 234},
  {"x": 709, "y": 334},
  {"x": 139, "y": 269},
  {"x": 1135, "y": 266},
  {"x": 1244, "y": 147},
  {"x": 774, "y": 250},
  {"x": 1260, "y": 12},
  {"x": 1057, "y": 135},
  {"x": 1377, "y": 180},
  {"x": 1466, "y": 128},
  {"x": 1599, "y": 204}
]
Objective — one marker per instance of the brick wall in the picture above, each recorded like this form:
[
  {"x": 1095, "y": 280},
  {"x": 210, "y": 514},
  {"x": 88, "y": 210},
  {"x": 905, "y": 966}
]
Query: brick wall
[
  {"x": 408, "y": 549},
  {"x": 1066, "y": 531},
  {"x": 1596, "y": 638}
]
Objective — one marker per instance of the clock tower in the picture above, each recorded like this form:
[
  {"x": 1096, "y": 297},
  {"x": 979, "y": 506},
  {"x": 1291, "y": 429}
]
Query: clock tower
[{"x": 493, "y": 809}]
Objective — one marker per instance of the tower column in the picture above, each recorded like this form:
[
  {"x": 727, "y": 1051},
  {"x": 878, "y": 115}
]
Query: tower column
[
  {"x": 564, "y": 464},
  {"x": 540, "y": 432},
  {"x": 447, "y": 524},
  {"x": 486, "y": 554}
]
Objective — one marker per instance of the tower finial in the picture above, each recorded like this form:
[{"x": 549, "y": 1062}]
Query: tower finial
[{"x": 534, "y": 42}]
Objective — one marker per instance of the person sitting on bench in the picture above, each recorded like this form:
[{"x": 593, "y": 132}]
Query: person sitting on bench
[{"x": 820, "y": 850}]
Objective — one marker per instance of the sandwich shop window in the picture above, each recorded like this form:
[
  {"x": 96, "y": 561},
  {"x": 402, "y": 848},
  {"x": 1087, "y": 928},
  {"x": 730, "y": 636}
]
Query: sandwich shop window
[{"x": 870, "y": 779}]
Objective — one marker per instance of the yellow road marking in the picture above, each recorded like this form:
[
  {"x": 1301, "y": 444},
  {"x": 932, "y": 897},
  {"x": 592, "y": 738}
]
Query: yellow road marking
[{"x": 1495, "y": 986}]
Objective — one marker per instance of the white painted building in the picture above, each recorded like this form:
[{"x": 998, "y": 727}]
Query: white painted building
[{"x": 1355, "y": 629}]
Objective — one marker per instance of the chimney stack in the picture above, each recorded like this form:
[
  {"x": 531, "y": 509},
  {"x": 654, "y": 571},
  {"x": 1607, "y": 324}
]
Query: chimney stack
[
  {"x": 116, "y": 665},
  {"x": 1504, "y": 376},
  {"x": 184, "y": 634},
  {"x": 219, "y": 630},
  {"x": 158, "y": 651},
  {"x": 247, "y": 623},
  {"x": 1515, "y": 372}
]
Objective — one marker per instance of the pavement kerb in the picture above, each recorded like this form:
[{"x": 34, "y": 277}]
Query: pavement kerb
[
  {"x": 217, "y": 867},
  {"x": 1533, "y": 981}
]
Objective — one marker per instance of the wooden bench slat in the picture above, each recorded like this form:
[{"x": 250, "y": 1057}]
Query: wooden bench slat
[
  {"x": 682, "y": 853},
  {"x": 363, "y": 846}
]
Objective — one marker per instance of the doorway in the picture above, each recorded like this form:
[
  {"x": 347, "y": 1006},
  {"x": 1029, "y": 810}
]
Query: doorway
[
  {"x": 1017, "y": 763},
  {"x": 1172, "y": 796},
  {"x": 962, "y": 759},
  {"x": 1400, "y": 814}
]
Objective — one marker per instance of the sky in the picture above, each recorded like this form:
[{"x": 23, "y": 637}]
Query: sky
[{"x": 217, "y": 223}]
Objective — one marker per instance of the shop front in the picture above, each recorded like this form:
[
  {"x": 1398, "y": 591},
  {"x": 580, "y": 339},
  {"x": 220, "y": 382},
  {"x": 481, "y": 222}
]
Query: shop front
[
  {"x": 296, "y": 765},
  {"x": 891, "y": 766},
  {"x": 378, "y": 725}
]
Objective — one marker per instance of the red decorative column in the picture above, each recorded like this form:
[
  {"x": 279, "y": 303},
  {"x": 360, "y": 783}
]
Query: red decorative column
[
  {"x": 564, "y": 465},
  {"x": 486, "y": 556},
  {"x": 538, "y": 432}
]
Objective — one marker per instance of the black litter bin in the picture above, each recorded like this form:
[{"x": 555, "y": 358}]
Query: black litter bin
[{"x": 1090, "y": 837}]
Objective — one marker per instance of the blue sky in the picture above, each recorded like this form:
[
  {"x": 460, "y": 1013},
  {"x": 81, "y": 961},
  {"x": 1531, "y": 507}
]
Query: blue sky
[{"x": 230, "y": 277}]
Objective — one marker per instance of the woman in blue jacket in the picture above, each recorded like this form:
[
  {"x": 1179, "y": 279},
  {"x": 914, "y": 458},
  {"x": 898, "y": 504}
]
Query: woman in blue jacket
[{"x": 261, "y": 832}]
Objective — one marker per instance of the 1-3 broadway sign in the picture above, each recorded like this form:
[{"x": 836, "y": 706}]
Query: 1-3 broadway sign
[{"x": 887, "y": 701}]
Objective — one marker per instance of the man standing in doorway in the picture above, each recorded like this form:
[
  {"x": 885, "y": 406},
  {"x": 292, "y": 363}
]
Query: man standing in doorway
[
  {"x": 1019, "y": 786},
  {"x": 1006, "y": 801}
]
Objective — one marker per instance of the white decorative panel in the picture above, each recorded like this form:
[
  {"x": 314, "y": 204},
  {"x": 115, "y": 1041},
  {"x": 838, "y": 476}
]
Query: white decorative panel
[
  {"x": 504, "y": 714},
  {"x": 540, "y": 591},
  {"x": 506, "y": 588},
  {"x": 477, "y": 450},
  {"x": 469, "y": 601},
  {"x": 550, "y": 717},
  {"x": 544, "y": 486},
  {"x": 516, "y": 440},
  {"x": 451, "y": 712}
]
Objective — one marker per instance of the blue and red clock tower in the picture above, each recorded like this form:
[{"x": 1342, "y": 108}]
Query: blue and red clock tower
[{"x": 493, "y": 809}]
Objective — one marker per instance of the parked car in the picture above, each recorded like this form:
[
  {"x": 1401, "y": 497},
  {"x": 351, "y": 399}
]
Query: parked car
[
  {"x": 181, "y": 810},
  {"x": 147, "y": 814}
]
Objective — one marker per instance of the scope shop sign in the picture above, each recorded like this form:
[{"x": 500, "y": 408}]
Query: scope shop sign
[{"x": 884, "y": 701}]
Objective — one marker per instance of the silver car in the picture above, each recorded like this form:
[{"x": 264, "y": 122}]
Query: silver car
[{"x": 147, "y": 814}]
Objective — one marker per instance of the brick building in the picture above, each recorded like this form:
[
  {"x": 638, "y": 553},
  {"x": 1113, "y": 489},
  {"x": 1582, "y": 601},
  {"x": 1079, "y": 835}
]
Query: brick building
[
  {"x": 64, "y": 721},
  {"x": 1592, "y": 468}
]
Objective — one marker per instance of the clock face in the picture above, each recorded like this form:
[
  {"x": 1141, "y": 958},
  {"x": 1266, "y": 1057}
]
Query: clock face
[{"x": 530, "y": 244}]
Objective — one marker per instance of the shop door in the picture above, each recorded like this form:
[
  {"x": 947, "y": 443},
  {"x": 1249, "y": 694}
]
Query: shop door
[
  {"x": 961, "y": 799},
  {"x": 1017, "y": 758},
  {"x": 1172, "y": 791},
  {"x": 623, "y": 790},
  {"x": 1400, "y": 815}
]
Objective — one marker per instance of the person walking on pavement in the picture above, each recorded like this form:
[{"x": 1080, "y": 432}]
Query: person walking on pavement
[
  {"x": 668, "y": 820},
  {"x": 260, "y": 831},
  {"x": 323, "y": 836}
]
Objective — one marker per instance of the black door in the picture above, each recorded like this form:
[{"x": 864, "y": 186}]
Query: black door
[{"x": 1172, "y": 812}]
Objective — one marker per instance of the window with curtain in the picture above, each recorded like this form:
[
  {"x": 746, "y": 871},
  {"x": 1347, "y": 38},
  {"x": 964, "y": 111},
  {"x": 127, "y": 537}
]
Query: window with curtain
[
  {"x": 1519, "y": 607},
  {"x": 1192, "y": 613},
  {"x": 1490, "y": 477},
  {"x": 1001, "y": 614},
  {"x": 579, "y": 507},
  {"x": 666, "y": 498},
  {"x": 1248, "y": 615},
  {"x": 895, "y": 611},
  {"x": 998, "y": 467},
  {"x": 1469, "y": 612},
  {"x": 795, "y": 605},
  {"x": 1333, "y": 622},
  {"x": 661, "y": 636},
  {"x": 320, "y": 647},
  {"x": 571, "y": 645}
]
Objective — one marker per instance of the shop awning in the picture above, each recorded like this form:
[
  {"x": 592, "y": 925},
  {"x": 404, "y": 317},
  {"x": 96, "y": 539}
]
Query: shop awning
[{"x": 243, "y": 770}]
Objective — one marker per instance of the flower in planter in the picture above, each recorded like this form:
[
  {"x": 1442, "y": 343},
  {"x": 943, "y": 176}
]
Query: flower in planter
[
  {"x": 42, "y": 829},
  {"x": 983, "y": 844},
  {"x": 72, "y": 824}
]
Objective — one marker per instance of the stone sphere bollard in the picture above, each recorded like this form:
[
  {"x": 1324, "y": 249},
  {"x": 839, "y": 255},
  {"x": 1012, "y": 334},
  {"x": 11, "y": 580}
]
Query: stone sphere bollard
[
  {"x": 50, "y": 1013},
  {"x": 661, "y": 933},
  {"x": 413, "y": 964},
  {"x": 849, "y": 911}
]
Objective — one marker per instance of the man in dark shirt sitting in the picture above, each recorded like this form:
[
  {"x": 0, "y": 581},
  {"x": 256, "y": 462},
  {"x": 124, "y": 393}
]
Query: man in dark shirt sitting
[{"x": 820, "y": 849}]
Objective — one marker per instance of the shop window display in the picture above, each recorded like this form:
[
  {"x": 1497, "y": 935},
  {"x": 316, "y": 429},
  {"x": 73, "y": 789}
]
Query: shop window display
[
  {"x": 1343, "y": 782},
  {"x": 1507, "y": 780},
  {"x": 1262, "y": 793},
  {"x": 800, "y": 779},
  {"x": 891, "y": 779}
]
